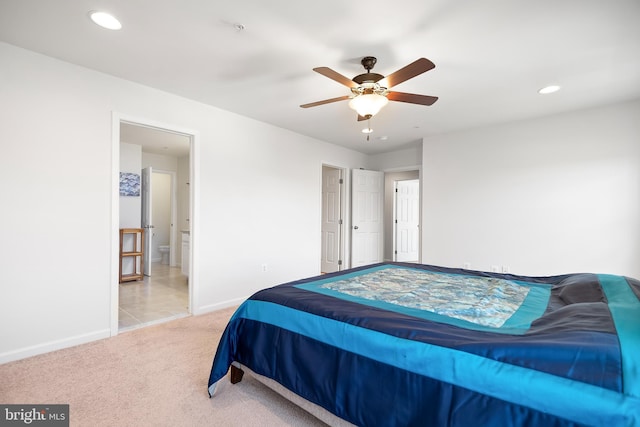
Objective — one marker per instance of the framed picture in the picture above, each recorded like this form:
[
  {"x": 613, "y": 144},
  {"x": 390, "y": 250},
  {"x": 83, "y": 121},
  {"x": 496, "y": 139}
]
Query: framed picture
[{"x": 129, "y": 184}]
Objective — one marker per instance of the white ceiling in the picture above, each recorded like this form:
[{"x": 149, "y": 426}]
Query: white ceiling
[
  {"x": 491, "y": 56},
  {"x": 154, "y": 140}
]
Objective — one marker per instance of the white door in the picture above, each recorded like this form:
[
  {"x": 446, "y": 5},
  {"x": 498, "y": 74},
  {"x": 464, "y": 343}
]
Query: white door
[
  {"x": 367, "y": 227},
  {"x": 331, "y": 219},
  {"x": 147, "y": 222},
  {"x": 407, "y": 220}
]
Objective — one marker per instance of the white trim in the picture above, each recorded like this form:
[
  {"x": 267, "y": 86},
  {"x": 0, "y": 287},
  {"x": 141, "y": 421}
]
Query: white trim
[
  {"x": 47, "y": 347},
  {"x": 194, "y": 216},
  {"x": 115, "y": 221},
  {"x": 394, "y": 225},
  {"x": 221, "y": 305},
  {"x": 403, "y": 169}
]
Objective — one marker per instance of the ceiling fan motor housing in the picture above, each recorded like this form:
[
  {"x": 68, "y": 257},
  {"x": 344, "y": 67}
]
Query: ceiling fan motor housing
[{"x": 368, "y": 63}]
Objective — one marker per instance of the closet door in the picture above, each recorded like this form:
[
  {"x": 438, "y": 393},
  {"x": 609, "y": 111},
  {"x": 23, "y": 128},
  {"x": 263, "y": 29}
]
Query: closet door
[{"x": 367, "y": 226}]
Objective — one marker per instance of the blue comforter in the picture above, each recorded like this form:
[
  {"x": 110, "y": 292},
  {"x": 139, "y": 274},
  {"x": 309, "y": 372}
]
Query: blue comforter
[{"x": 404, "y": 344}]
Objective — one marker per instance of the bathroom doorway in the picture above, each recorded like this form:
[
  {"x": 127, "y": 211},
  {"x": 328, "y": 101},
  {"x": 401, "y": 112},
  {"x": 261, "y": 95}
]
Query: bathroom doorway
[
  {"x": 163, "y": 248},
  {"x": 159, "y": 216},
  {"x": 167, "y": 292}
]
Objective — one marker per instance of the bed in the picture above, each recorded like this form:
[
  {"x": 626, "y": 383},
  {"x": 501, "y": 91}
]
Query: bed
[{"x": 398, "y": 344}]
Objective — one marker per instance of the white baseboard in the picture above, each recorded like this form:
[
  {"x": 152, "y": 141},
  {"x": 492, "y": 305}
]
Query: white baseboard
[
  {"x": 47, "y": 347},
  {"x": 219, "y": 306}
]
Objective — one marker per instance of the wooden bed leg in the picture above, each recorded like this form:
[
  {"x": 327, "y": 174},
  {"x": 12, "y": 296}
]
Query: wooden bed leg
[{"x": 236, "y": 374}]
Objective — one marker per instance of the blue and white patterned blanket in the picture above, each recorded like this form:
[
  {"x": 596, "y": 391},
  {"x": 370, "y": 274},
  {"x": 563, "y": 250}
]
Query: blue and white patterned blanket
[{"x": 485, "y": 301}]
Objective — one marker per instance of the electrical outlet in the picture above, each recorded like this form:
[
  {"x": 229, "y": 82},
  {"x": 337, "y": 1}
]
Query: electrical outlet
[
  {"x": 505, "y": 269},
  {"x": 466, "y": 266},
  {"x": 495, "y": 269},
  {"x": 265, "y": 267}
]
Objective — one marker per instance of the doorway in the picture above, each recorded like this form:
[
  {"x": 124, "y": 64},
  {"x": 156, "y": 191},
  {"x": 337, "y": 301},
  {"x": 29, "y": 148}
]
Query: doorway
[
  {"x": 392, "y": 179},
  {"x": 159, "y": 199},
  {"x": 163, "y": 248},
  {"x": 166, "y": 293},
  {"x": 406, "y": 221}
]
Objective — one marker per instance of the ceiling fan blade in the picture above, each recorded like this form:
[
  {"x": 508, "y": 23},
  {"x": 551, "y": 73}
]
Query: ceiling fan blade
[
  {"x": 362, "y": 118},
  {"x": 411, "y": 98},
  {"x": 417, "y": 67},
  {"x": 326, "y": 101},
  {"x": 334, "y": 75}
]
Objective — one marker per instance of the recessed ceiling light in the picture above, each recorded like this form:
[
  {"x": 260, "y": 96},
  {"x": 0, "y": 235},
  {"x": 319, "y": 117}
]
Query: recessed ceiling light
[
  {"x": 105, "y": 20},
  {"x": 549, "y": 89}
]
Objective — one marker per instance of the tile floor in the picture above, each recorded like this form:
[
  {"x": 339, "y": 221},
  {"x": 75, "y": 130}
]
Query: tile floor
[{"x": 161, "y": 297}]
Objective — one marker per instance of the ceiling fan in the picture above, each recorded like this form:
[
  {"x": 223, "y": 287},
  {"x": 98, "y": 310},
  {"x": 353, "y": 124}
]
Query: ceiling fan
[{"x": 368, "y": 96}]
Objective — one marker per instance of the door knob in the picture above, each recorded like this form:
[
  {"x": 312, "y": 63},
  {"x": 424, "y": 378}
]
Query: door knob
[{"x": 355, "y": 227}]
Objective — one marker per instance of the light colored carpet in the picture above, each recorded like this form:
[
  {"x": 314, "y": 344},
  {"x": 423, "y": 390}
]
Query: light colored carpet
[{"x": 154, "y": 376}]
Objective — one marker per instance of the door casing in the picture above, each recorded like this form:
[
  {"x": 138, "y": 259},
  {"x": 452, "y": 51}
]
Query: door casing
[
  {"x": 146, "y": 194},
  {"x": 194, "y": 203}
]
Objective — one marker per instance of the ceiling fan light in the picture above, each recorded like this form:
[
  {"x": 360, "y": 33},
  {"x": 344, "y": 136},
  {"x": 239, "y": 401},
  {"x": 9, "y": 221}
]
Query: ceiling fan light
[{"x": 368, "y": 105}]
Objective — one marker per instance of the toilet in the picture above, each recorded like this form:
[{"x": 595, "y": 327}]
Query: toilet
[{"x": 164, "y": 251}]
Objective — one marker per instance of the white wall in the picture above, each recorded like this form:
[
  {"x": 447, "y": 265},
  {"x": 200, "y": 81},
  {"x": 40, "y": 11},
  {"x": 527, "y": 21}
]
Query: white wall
[
  {"x": 130, "y": 206},
  {"x": 548, "y": 196},
  {"x": 397, "y": 160},
  {"x": 259, "y": 199},
  {"x": 160, "y": 162}
]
